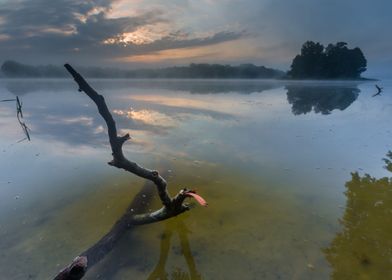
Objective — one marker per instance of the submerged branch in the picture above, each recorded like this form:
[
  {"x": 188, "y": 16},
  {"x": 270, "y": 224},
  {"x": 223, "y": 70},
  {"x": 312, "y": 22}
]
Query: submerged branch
[{"x": 100, "y": 249}]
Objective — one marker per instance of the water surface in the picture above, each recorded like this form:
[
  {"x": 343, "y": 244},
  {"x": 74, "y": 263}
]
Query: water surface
[{"x": 282, "y": 164}]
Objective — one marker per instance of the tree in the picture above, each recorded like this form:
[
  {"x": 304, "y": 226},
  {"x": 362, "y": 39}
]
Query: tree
[
  {"x": 342, "y": 62},
  {"x": 333, "y": 62}
]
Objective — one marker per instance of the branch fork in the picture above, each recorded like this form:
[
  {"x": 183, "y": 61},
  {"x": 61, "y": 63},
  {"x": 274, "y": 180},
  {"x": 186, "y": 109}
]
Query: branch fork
[{"x": 172, "y": 206}]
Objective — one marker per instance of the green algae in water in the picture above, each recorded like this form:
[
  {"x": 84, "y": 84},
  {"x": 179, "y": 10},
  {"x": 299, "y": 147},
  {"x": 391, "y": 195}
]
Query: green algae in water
[
  {"x": 274, "y": 183},
  {"x": 248, "y": 230},
  {"x": 363, "y": 249}
]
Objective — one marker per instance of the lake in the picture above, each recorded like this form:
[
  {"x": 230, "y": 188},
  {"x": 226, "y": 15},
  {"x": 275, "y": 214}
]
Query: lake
[{"x": 293, "y": 173}]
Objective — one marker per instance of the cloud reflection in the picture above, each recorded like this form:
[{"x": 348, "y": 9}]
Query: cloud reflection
[
  {"x": 57, "y": 112},
  {"x": 149, "y": 117}
]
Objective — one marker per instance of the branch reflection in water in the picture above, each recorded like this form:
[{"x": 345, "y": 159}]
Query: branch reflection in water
[{"x": 176, "y": 226}]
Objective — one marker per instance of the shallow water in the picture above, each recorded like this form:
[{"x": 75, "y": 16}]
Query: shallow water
[{"x": 273, "y": 159}]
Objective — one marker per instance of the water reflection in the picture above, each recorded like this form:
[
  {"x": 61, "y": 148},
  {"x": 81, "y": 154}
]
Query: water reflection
[
  {"x": 58, "y": 112},
  {"x": 218, "y": 86},
  {"x": 257, "y": 162},
  {"x": 20, "y": 87},
  {"x": 363, "y": 249},
  {"x": 192, "y": 86},
  {"x": 320, "y": 99},
  {"x": 159, "y": 272}
]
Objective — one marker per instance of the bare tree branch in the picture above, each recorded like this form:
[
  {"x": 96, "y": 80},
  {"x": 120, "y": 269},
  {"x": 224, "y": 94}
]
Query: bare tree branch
[{"x": 171, "y": 206}]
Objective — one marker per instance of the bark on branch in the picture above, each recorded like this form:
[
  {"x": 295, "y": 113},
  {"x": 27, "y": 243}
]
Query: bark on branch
[
  {"x": 86, "y": 260},
  {"x": 171, "y": 206}
]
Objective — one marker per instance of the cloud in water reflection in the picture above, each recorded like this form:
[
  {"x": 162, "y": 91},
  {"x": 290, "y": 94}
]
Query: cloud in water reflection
[
  {"x": 58, "y": 113},
  {"x": 148, "y": 117}
]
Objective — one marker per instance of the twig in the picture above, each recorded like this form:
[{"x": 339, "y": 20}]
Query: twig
[
  {"x": 19, "y": 116},
  {"x": 7, "y": 100}
]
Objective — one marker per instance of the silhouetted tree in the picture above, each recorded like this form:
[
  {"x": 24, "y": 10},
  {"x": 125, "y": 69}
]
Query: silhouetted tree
[
  {"x": 332, "y": 62},
  {"x": 342, "y": 62},
  {"x": 310, "y": 62}
]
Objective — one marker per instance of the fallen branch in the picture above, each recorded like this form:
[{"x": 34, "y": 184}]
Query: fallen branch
[
  {"x": 86, "y": 260},
  {"x": 171, "y": 206}
]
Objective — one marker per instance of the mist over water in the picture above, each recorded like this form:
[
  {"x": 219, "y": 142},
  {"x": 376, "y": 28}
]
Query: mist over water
[{"x": 273, "y": 159}]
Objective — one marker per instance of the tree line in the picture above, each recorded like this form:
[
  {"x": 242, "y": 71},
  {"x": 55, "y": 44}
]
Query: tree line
[
  {"x": 335, "y": 61},
  {"x": 203, "y": 71}
]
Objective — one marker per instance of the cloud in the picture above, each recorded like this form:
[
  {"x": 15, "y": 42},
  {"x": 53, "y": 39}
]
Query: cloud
[
  {"x": 98, "y": 32},
  {"x": 85, "y": 31}
]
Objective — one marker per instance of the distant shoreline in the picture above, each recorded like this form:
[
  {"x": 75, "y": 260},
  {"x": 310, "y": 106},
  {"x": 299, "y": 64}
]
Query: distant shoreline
[
  {"x": 200, "y": 79},
  {"x": 333, "y": 79},
  {"x": 201, "y": 71},
  {"x": 16, "y": 70}
]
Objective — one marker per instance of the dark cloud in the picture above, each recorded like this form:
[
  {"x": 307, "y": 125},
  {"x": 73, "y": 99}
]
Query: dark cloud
[
  {"x": 54, "y": 31},
  {"x": 42, "y": 31},
  {"x": 24, "y": 18}
]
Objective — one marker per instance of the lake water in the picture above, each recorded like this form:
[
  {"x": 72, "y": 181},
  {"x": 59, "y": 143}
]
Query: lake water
[{"x": 282, "y": 165}]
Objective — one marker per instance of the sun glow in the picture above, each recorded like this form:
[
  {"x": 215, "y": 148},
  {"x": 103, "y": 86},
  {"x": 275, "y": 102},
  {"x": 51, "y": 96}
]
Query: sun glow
[
  {"x": 141, "y": 36},
  {"x": 200, "y": 54},
  {"x": 133, "y": 38}
]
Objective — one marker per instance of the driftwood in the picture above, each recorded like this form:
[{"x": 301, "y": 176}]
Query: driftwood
[
  {"x": 172, "y": 206},
  {"x": 99, "y": 250}
]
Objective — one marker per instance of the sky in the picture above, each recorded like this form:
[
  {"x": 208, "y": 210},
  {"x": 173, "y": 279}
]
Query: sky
[{"x": 152, "y": 33}]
